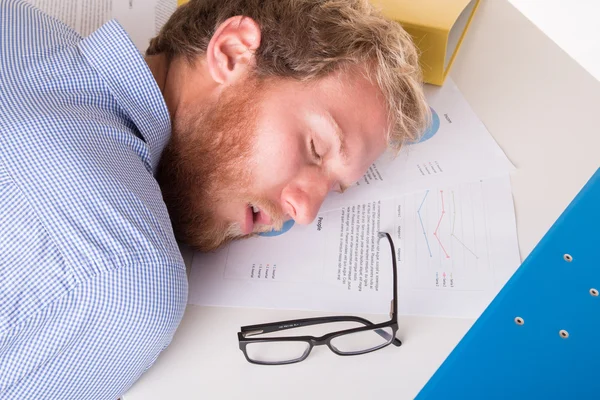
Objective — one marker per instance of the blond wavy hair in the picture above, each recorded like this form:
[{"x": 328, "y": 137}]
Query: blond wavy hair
[{"x": 309, "y": 39}]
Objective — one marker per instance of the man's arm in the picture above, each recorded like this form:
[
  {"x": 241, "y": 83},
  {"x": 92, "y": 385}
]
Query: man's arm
[{"x": 96, "y": 340}]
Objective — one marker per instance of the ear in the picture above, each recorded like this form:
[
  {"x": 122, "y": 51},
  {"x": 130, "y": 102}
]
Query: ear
[{"x": 231, "y": 49}]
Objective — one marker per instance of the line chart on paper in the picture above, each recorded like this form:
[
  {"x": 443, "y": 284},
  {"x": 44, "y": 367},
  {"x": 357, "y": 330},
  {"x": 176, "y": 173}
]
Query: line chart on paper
[{"x": 443, "y": 233}]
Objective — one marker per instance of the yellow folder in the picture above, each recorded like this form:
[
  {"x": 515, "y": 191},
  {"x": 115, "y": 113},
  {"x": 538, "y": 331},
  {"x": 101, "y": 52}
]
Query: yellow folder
[{"x": 437, "y": 28}]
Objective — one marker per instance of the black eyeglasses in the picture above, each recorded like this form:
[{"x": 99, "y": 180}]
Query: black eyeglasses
[{"x": 348, "y": 342}]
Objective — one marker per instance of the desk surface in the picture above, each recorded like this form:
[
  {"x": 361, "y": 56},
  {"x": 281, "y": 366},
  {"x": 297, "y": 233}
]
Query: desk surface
[{"x": 540, "y": 106}]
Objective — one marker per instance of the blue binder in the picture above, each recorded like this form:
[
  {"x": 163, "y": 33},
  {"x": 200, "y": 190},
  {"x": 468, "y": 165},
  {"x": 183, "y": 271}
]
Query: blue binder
[{"x": 540, "y": 337}]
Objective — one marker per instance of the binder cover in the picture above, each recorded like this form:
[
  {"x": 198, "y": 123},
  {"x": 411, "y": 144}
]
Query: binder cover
[
  {"x": 437, "y": 28},
  {"x": 540, "y": 336}
]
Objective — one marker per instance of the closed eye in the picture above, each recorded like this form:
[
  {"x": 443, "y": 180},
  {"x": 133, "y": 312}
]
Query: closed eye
[
  {"x": 314, "y": 150},
  {"x": 340, "y": 188}
]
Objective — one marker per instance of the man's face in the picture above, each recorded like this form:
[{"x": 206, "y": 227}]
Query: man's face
[{"x": 264, "y": 152}]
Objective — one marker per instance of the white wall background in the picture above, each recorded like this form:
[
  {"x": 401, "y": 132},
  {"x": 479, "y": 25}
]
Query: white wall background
[{"x": 574, "y": 25}]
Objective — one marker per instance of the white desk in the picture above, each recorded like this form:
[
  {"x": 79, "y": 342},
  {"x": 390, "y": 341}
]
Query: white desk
[{"x": 541, "y": 107}]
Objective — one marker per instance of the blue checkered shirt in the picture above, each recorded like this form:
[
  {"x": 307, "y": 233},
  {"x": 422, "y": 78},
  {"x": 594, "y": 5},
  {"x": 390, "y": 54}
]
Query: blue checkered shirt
[{"x": 92, "y": 282}]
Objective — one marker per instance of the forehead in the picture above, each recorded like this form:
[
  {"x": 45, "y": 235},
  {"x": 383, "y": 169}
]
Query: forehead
[
  {"x": 350, "y": 90},
  {"x": 359, "y": 108}
]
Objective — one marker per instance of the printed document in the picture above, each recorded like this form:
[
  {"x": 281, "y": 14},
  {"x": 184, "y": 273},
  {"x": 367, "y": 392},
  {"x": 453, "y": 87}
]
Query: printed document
[
  {"x": 455, "y": 247},
  {"x": 141, "y": 19}
]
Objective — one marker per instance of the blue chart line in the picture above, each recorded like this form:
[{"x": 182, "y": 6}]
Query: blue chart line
[{"x": 423, "y": 226}]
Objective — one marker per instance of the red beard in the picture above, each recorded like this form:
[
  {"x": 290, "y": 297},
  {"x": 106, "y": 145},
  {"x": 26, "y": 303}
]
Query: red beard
[{"x": 207, "y": 163}]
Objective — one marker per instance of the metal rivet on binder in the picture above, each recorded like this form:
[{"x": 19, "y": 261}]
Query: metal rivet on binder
[
  {"x": 519, "y": 321},
  {"x": 594, "y": 292},
  {"x": 564, "y": 334},
  {"x": 568, "y": 257}
]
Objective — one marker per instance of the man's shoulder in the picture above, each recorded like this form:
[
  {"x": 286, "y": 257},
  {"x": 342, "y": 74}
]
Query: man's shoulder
[
  {"x": 93, "y": 193},
  {"x": 49, "y": 250},
  {"x": 74, "y": 150},
  {"x": 97, "y": 201},
  {"x": 84, "y": 168}
]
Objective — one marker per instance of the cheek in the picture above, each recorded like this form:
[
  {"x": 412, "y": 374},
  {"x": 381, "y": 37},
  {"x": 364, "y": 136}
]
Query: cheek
[{"x": 276, "y": 158}]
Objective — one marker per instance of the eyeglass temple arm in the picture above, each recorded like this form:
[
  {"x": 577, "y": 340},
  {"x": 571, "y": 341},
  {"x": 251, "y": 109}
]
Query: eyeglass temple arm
[
  {"x": 394, "y": 302},
  {"x": 298, "y": 323}
]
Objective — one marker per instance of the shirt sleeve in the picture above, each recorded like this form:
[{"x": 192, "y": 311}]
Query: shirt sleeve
[{"x": 96, "y": 340}]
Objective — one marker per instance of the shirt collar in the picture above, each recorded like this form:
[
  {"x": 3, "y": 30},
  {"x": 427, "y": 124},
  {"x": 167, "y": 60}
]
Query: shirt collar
[{"x": 114, "y": 56}]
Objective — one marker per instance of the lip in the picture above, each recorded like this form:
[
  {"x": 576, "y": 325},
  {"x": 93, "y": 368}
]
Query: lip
[
  {"x": 252, "y": 219},
  {"x": 262, "y": 218},
  {"x": 248, "y": 225}
]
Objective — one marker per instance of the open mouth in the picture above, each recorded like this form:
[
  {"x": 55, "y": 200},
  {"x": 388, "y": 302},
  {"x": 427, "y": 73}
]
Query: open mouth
[{"x": 255, "y": 216}]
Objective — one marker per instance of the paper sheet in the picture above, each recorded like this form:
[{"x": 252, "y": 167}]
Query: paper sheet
[
  {"x": 141, "y": 19},
  {"x": 85, "y": 16},
  {"x": 455, "y": 245},
  {"x": 456, "y": 148}
]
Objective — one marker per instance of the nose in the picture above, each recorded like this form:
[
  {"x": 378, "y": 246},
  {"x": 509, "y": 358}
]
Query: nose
[{"x": 302, "y": 200}]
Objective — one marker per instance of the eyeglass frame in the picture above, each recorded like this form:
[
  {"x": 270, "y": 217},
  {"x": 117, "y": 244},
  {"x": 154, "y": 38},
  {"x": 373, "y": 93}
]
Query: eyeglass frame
[{"x": 259, "y": 329}]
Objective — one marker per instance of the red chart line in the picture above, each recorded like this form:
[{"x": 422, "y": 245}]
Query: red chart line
[{"x": 435, "y": 233}]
